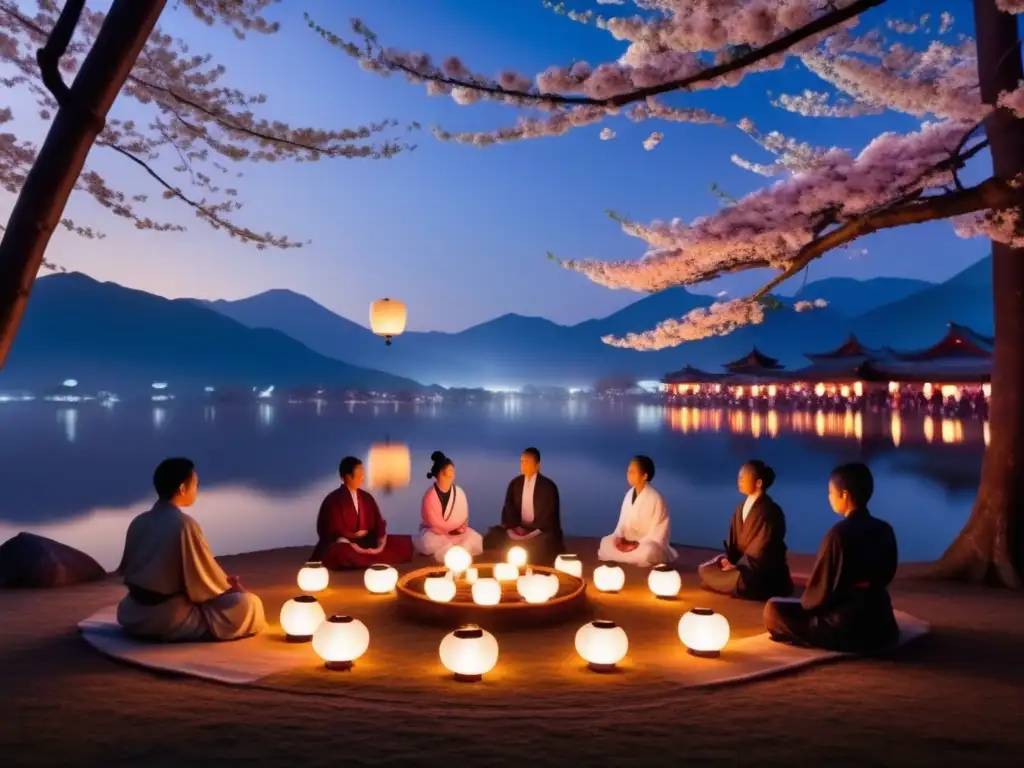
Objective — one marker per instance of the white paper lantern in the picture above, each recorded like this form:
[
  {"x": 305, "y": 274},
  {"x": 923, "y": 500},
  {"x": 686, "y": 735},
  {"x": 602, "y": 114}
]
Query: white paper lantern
[
  {"x": 340, "y": 640},
  {"x": 704, "y": 632},
  {"x": 602, "y": 644},
  {"x": 472, "y": 574},
  {"x": 517, "y": 556},
  {"x": 300, "y": 618},
  {"x": 506, "y": 572},
  {"x": 457, "y": 559},
  {"x": 439, "y": 587},
  {"x": 551, "y": 580},
  {"x": 534, "y": 588},
  {"x": 570, "y": 564},
  {"x": 609, "y": 578},
  {"x": 469, "y": 653},
  {"x": 664, "y": 581},
  {"x": 313, "y": 577},
  {"x": 380, "y": 579},
  {"x": 387, "y": 318},
  {"x": 487, "y": 592}
]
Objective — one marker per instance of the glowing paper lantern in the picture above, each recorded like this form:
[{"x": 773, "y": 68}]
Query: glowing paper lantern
[
  {"x": 340, "y": 640},
  {"x": 570, "y": 564},
  {"x": 704, "y": 632},
  {"x": 439, "y": 587},
  {"x": 469, "y": 653},
  {"x": 819, "y": 390},
  {"x": 602, "y": 644},
  {"x": 664, "y": 581},
  {"x": 388, "y": 466},
  {"x": 858, "y": 388},
  {"x": 552, "y": 583},
  {"x": 506, "y": 572},
  {"x": 517, "y": 557},
  {"x": 300, "y": 618},
  {"x": 380, "y": 579},
  {"x": 487, "y": 592},
  {"x": 986, "y": 390},
  {"x": 457, "y": 559},
  {"x": 313, "y": 577},
  {"x": 609, "y": 578},
  {"x": 472, "y": 574},
  {"x": 534, "y": 588},
  {"x": 387, "y": 318}
]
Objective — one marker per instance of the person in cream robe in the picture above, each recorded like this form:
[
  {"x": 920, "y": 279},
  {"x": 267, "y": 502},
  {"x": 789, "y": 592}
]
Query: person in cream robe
[
  {"x": 177, "y": 592},
  {"x": 642, "y": 536},
  {"x": 445, "y": 514}
]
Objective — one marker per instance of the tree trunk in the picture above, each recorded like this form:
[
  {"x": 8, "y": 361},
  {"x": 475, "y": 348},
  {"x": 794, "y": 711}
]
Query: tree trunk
[
  {"x": 48, "y": 186},
  {"x": 989, "y": 548}
]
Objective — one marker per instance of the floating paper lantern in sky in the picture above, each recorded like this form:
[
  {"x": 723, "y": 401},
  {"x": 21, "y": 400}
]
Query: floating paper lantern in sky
[
  {"x": 486, "y": 592},
  {"x": 506, "y": 572},
  {"x": 387, "y": 318},
  {"x": 439, "y": 587},
  {"x": 457, "y": 559},
  {"x": 704, "y": 632},
  {"x": 313, "y": 577},
  {"x": 380, "y": 579},
  {"x": 340, "y": 640},
  {"x": 570, "y": 564},
  {"x": 602, "y": 644},
  {"x": 469, "y": 653},
  {"x": 388, "y": 466},
  {"x": 664, "y": 581},
  {"x": 300, "y": 618},
  {"x": 516, "y": 556},
  {"x": 609, "y": 578}
]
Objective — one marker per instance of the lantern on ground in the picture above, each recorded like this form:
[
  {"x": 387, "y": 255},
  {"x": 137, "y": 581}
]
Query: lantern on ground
[
  {"x": 439, "y": 587},
  {"x": 664, "y": 581},
  {"x": 516, "y": 556},
  {"x": 457, "y": 559},
  {"x": 300, "y": 618},
  {"x": 380, "y": 579},
  {"x": 506, "y": 572},
  {"x": 570, "y": 564},
  {"x": 472, "y": 574},
  {"x": 313, "y": 577},
  {"x": 602, "y": 644},
  {"x": 387, "y": 318},
  {"x": 340, "y": 640},
  {"x": 609, "y": 578},
  {"x": 552, "y": 583},
  {"x": 469, "y": 653},
  {"x": 388, "y": 466},
  {"x": 486, "y": 592},
  {"x": 534, "y": 588},
  {"x": 704, "y": 632}
]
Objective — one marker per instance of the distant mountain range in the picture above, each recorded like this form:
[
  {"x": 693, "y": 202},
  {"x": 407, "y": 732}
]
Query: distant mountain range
[{"x": 855, "y": 297}]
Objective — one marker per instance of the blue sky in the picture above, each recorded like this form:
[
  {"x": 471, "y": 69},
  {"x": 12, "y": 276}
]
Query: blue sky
[{"x": 460, "y": 233}]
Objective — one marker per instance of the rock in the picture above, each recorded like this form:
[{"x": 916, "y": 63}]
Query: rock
[{"x": 28, "y": 560}]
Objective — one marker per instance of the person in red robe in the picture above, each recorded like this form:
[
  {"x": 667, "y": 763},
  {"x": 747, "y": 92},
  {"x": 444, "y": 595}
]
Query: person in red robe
[{"x": 351, "y": 531}]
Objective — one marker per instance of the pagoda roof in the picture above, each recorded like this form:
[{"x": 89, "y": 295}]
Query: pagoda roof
[
  {"x": 833, "y": 372},
  {"x": 948, "y": 370},
  {"x": 958, "y": 342},
  {"x": 851, "y": 349},
  {"x": 752, "y": 362},
  {"x": 690, "y": 375}
]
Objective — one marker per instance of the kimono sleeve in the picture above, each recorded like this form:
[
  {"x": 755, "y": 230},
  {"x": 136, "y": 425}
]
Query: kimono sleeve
[
  {"x": 203, "y": 577},
  {"x": 824, "y": 578}
]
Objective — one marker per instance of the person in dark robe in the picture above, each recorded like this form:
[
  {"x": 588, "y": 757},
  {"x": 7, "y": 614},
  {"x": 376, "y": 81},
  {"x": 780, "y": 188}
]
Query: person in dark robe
[
  {"x": 846, "y": 605},
  {"x": 352, "y": 533},
  {"x": 531, "y": 517},
  {"x": 753, "y": 566}
]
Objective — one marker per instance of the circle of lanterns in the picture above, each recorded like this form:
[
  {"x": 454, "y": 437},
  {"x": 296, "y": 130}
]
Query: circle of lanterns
[
  {"x": 469, "y": 653},
  {"x": 506, "y": 572},
  {"x": 609, "y": 578},
  {"x": 664, "y": 581},
  {"x": 570, "y": 564},
  {"x": 486, "y": 592},
  {"x": 439, "y": 587},
  {"x": 457, "y": 559},
  {"x": 534, "y": 588},
  {"x": 704, "y": 632},
  {"x": 300, "y": 618},
  {"x": 313, "y": 577},
  {"x": 340, "y": 640},
  {"x": 380, "y": 579},
  {"x": 602, "y": 644}
]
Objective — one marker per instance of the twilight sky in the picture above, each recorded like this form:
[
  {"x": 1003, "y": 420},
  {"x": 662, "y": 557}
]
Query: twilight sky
[{"x": 460, "y": 233}]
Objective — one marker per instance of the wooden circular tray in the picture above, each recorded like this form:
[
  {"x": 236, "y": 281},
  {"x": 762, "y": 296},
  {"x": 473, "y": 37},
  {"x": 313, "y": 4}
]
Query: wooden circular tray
[{"x": 512, "y": 612}]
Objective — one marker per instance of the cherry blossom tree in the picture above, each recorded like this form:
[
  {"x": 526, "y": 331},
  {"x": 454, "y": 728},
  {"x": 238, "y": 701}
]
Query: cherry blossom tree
[
  {"x": 188, "y": 131},
  {"x": 967, "y": 94}
]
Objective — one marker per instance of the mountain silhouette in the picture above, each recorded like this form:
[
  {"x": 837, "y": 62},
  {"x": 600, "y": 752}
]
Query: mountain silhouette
[
  {"x": 851, "y": 297},
  {"x": 110, "y": 337}
]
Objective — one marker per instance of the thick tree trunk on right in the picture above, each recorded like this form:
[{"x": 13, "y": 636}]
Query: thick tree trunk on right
[{"x": 990, "y": 548}]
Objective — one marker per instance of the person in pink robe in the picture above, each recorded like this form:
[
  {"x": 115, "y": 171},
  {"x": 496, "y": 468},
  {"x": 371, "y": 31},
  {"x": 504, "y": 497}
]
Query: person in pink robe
[
  {"x": 352, "y": 533},
  {"x": 445, "y": 514}
]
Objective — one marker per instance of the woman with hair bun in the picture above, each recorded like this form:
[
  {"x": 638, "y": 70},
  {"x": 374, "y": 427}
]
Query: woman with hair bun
[
  {"x": 445, "y": 514},
  {"x": 753, "y": 566}
]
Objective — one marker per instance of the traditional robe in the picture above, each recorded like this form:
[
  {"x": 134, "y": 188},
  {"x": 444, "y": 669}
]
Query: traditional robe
[
  {"x": 644, "y": 519},
  {"x": 532, "y": 505},
  {"x": 846, "y": 605},
  {"x": 443, "y": 525},
  {"x": 176, "y": 590},
  {"x": 341, "y": 517},
  {"x": 757, "y": 547}
]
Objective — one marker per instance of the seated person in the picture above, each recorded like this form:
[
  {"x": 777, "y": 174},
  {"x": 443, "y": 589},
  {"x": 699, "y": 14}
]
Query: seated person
[
  {"x": 176, "y": 590},
  {"x": 846, "y": 605},
  {"x": 530, "y": 517},
  {"x": 642, "y": 535},
  {"x": 754, "y": 564},
  {"x": 445, "y": 514},
  {"x": 351, "y": 531}
]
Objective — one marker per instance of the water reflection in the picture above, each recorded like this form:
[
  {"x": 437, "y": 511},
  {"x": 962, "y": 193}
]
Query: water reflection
[
  {"x": 69, "y": 418},
  {"x": 266, "y": 414},
  {"x": 159, "y": 416}
]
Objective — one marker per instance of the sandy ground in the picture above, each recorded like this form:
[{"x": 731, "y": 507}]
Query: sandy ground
[{"x": 953, "y": 699}]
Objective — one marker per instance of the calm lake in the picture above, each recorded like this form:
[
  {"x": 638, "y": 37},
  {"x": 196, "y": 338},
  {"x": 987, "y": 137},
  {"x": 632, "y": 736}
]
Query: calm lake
[{"x": 78, "y": 474}]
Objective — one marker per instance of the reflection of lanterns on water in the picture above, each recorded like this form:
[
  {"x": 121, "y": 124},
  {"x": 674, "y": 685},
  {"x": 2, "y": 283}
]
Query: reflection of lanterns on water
[
  {"x": 602, "y": 644},
  {"x": 570, "y": 564},
  {"x": 609, "y": 578},
  {"x": 986, "y": 433},
  {"x": 313, "y": 577},
  {"x": 486, "y": 592},
  {"x": 387, "y": 318},
  {"x": 469, "y": 653},
  {"x": 516, "y": 556},
  {"x": 439, "y": 587},
  {"x": 340, "y": 640},
  {"x": 819, "y": 390},
  {"x": 704, "y": 632},
  {"x": 896, "y": 428},
  {"x": 929, "y": 428},
  {"x": 380, "y": 579},
  {"x": 300, "y": 618},
  {"x": 389, "y": 466},
  {"x": 506, "y": 572},
  {"x": 664, "y": 581},
  {"x": 457, "y": 559}
]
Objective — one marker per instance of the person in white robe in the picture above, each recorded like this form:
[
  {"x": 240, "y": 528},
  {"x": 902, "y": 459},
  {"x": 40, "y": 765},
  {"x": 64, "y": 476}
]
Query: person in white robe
[
  {"x": 445, "y": 514},
  {"x": 642, "y": 535},
  {"x": 177, "y": 592}
]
